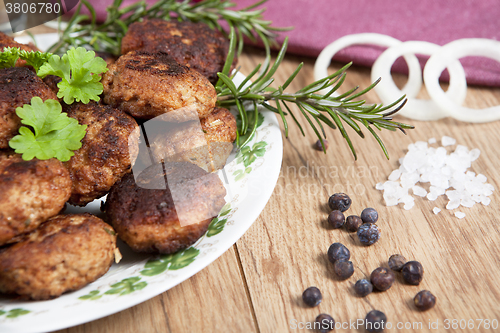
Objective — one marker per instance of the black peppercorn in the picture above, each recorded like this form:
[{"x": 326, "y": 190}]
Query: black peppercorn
[
  {"x": 369, "y": 215},
  {"x": 368, "y": 233},
  {"x": 375, "y": 321},
  {"x": 363, "y": 287},
  {"x": 338, "y": 251},
  {"x": 339, "y": 201},
  {"x": 352, "y": 223},
  {"x": 343, "y": 269},
  {"x": 336, "y": 219},
  {"x": 382, "y": 278},
  {"x": 319, "y": 146},
  {"x": 424, "y": 300},
  {"x": 312, "y": 296},
  {"x": 413, "y": 272},
  {"x": 396, "y": 262},
  {"x": 324, "y": 323}
]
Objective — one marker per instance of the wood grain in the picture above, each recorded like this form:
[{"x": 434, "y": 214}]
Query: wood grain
[
  {"x": 257, "y": 285},
  {"x": 285, "y": 251}
]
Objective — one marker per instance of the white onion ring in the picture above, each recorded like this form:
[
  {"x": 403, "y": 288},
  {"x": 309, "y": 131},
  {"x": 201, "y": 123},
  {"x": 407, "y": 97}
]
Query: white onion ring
[
  {"x": 416, "y": 108},
  {"x": 412, "y": 87},
  {"x": 452, "y": 51}
]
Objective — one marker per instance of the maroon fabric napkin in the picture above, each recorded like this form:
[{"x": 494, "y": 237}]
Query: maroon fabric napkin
[{"x": 317, "y": 23}]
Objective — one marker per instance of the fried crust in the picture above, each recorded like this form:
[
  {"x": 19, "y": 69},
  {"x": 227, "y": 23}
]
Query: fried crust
[
  {"x": 108, "y": 150},
  {"x": 30, "y": 193},
  {"x": 65, "y": 253},
  {"x": 147, "y": 220},
  {"x": 18, "y": 85},
  {"x": 146, "y": 85},
  {"x": 209, "y": 150},
  {"x": 191, "y": 44}
]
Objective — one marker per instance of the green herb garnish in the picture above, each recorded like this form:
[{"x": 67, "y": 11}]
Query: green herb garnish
[
  {"x": 55, "y": 134},
  {"x": 10, "y": 55},
  {"x": 79, "y": 70},
  {"x": 316, "y": 107}
]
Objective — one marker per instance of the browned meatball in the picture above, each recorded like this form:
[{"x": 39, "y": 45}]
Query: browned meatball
[
  {"x": 30, "y": 193},
  {"x": 147, "y": 220},
  {"x": 65, "y": 253},
  {"x": 191, "y": 44},
  {"x": 108, "y": 150},
  {"x": 7, "y": 41},
  {"x": 147, "y": 85},
  {"x": 207, "y": 146},
  {"x": 17, "y": 86}
]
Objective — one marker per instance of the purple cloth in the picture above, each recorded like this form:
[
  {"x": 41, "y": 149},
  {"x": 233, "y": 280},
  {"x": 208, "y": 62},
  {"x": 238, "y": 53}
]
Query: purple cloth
[{"x": 317, "y": 23}]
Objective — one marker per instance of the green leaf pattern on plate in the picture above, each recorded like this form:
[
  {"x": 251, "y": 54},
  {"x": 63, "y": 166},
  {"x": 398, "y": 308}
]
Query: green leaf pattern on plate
[
  {"x": 14, "y": 313},
  {"x": 173, "y": 261},
  {"x": 126, "y": 286},
  {"x": 247, "y": 156}
]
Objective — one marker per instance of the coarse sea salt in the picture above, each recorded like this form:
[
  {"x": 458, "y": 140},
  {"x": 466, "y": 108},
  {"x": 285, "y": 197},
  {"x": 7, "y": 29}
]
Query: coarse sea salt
[{"x": 444, "y": 173}]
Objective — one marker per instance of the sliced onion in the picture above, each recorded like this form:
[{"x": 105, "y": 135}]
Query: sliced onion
[
  {"x": 414, "y": 83},
  {"x": 416, "y": 108},
  {"x": 444, "y": 56}
]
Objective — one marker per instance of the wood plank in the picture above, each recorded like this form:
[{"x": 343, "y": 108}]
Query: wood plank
[
  {"x": 285, "y": 250},
  {"x": 206, "y": 302}
]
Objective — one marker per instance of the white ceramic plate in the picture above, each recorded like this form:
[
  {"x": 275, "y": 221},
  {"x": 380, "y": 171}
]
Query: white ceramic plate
[{"x": 250, "y": 179}]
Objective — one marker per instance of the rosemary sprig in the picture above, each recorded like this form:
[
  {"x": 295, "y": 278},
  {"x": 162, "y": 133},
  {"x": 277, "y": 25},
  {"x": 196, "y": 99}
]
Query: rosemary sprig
[
  {"x": 316, "y": 107},
  {"x": 108, "y": 35}
]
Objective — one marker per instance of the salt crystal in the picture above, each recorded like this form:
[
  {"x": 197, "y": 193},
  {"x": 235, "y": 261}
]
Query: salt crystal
[
  {"x": 420, "y": 191},
  {"x": 474, "y": 154},
  {"x": 431, "y": 196},
  {"x": 421, "y": 145},
  {"x": 467, "y": 202},
  {"x": 447, "y": 173},
  {"x": 409, "y": 205},
  {"x": 460, "y": 215},
  {"x": 486, "y": 201},
  {"x": 436, "y": 210},
  {"x": 447, "y": 141},
  {"x": 437, "y": 190},
  {"x": 452, "y": 204},
  {"x": 395, "y": 175},
  {"x": 481, "y": 178}
]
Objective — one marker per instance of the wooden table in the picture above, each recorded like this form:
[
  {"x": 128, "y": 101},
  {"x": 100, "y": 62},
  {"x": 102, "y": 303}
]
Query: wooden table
[{"x": 256, "y": 286}]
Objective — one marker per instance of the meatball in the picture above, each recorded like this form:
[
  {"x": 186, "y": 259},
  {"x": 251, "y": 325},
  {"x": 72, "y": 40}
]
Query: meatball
[
  {"x": 207, "y": 146},
  {"x": 108, "y": 151},
  {"x": 7, "y": 41},
  {"x": 147, "y": 219},
  {"x": 191, "y": 44},
  {"x": 30, "y": 193},
  {"x": 65, "y": 253},
  {"x": 146, "y": 85},
  {"x": 17, "y": 86}
]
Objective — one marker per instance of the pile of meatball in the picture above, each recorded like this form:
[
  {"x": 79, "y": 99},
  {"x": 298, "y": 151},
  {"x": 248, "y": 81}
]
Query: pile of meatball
[{"x": 165, "y": 68}]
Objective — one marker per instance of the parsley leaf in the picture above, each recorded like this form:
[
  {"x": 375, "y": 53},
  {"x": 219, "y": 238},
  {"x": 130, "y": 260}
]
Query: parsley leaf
[
  {"x": 35, "y": 59},
  {"x": 9, "y": 57},
  {"x": 79, "y": 70},
  {"x": 55, "y": 134}
]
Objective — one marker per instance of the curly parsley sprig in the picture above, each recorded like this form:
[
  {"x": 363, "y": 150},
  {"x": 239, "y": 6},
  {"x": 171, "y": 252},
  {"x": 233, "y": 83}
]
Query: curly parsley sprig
[
  {"x": 317, "y": 108},
  {"x": 78, "y": 68},
  {"x": 54, "y": 134},
  {"x": 80, "y": 72},
  {"x": 10, "y": 55}
]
